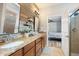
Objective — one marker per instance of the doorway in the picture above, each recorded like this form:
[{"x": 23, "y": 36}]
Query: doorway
[{"x": 54, "y": 31}]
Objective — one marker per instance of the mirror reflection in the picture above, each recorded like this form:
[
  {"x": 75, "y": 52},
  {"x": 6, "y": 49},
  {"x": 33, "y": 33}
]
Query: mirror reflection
[
  {"x": 26, "y": 26},
  {"x": 18, "y": 18}
]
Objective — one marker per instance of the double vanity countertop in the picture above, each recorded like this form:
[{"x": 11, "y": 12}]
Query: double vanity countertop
[{"x": 26, "y": 41}]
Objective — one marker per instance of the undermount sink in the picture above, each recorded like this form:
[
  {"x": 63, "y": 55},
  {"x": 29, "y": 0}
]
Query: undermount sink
[{"x": 11, "y": 45}]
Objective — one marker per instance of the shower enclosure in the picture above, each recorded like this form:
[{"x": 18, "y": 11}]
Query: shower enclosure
[{"x": 74, "y": 33}]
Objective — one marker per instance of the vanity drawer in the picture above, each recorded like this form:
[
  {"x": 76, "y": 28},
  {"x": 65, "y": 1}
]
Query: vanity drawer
[
  {"x": 17, "y": 53},
  {"x": 29, "y": 46},
  {"x": 38, "y": 40},
  {"x": 31, "y": 52}
]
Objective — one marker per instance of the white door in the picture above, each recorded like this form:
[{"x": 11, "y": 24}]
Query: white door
[{"x": 65, "y": 35}]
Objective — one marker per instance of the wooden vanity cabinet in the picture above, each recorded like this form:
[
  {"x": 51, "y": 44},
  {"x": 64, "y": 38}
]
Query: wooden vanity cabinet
[
  {"x": 29, "y": 50},
  {"x": 38, "y": 40},
  {"x": 18, "y": 53},
  {"x": 38, "y": 46},
  {"x": 39, "y": 52},
  {"x": 34, "y": 48}
]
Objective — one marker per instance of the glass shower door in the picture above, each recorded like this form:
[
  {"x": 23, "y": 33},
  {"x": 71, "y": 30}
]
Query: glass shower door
[{"x": 74, "y": 36}]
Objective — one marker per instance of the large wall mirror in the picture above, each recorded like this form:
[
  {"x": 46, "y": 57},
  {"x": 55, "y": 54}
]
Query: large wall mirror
[
  {"x": 16, "y": 18},
  {"x": 26, "y": 25},
  {"x": 29, "y": 25},
  {"x": 29, "y": 18},
  {"x": 9, "y": 18}
]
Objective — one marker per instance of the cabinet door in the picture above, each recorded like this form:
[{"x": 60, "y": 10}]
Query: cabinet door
[
  {"x": 39, "y": 48},
  {"x": 38, "y": 40},
  {"x": 39, "y": 52},
  {"x": 17, "y": 53},
  {"x": 28, "y": 47},
  {"x": 31, "y": 52}
]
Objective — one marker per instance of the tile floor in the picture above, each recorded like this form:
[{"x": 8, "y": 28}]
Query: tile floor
[{"x": 52, "y": 51}]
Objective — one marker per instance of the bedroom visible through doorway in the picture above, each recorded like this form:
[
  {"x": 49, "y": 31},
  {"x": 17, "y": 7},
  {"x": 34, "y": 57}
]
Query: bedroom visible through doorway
[{"x": 54, "y": 31}]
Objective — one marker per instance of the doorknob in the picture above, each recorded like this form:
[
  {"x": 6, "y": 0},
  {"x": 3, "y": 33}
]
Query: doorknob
[{"x": 74, "y": 29}]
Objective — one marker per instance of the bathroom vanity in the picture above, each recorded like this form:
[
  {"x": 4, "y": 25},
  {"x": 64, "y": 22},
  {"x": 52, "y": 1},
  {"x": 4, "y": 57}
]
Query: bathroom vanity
[
  {"x": 24, "y": 20},
  {"x": 32, "y": 46}
]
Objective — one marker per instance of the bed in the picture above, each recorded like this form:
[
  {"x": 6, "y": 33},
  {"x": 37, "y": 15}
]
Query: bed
[{"x": 54, "y": 36}]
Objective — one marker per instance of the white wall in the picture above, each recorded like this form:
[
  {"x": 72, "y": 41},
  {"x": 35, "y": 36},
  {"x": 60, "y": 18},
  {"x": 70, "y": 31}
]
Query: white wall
[
  {"x": 58, "y": 10},
  {"x": 52, "y": 27}
]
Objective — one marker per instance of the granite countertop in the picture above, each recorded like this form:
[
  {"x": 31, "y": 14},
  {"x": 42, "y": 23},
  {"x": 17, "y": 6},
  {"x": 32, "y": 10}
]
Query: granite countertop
[{"x": 27, "y": 40}]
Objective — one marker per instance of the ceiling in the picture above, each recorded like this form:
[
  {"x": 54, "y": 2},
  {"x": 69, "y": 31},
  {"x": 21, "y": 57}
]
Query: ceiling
[{"x": 44, "y": 5}]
